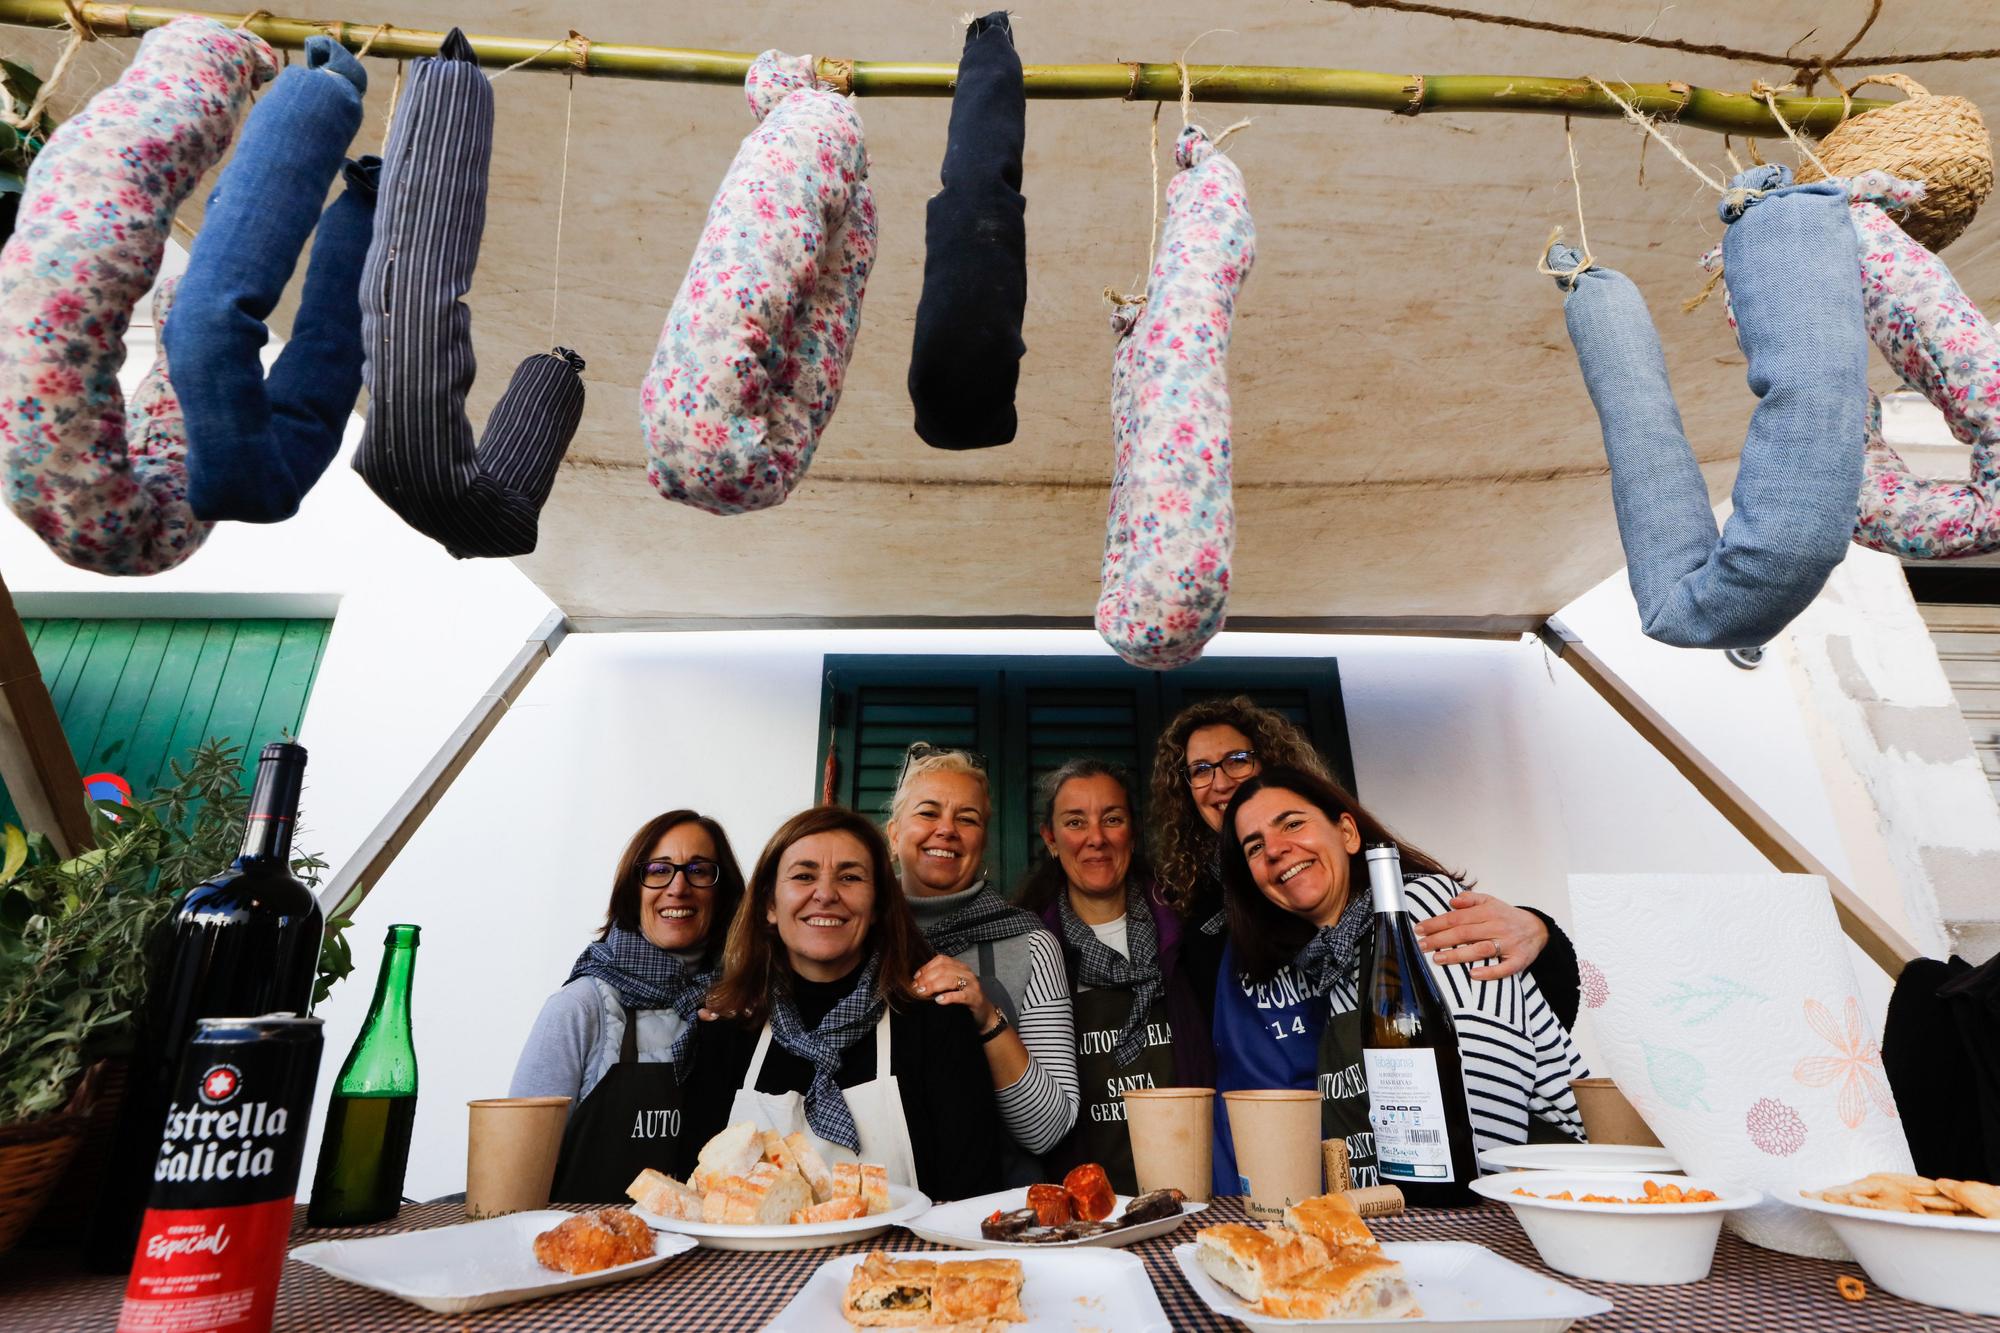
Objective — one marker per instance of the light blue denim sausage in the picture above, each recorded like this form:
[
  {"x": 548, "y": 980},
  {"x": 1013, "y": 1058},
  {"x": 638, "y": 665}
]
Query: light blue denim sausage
[
  {"x": 1794, "y": 281},
  {"x": 255, "y": 447}
]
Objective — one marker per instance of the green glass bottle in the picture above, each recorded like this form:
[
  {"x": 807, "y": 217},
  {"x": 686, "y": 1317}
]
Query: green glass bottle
[{"x": 366, "y": 1144}]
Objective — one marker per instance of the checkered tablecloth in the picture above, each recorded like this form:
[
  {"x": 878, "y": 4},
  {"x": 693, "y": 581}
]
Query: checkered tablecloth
[{"x": 1750, "y": 1290}]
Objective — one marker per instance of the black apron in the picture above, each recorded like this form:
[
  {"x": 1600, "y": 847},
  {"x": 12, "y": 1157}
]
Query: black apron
[
  {"x": 631, "y": 1120},
  {"x": 1343, "y": 1097},
  {"x": 1101, "y": 1134},
  {"x": 1018, "y": 1166}
]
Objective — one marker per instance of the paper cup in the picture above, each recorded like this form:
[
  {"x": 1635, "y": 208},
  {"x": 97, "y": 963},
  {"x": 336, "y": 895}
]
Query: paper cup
[
  {"x": 510, "y": 1153},
  {"x": 1607, "y": 1116},
  {"x": 1276, "y": 1133},
  {"x": 1173, "y": 1138}
]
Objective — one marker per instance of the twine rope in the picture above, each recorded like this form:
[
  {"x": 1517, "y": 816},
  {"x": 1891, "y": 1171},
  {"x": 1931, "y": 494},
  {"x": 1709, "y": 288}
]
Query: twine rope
[
  {"x": 1770, "y": 98},
  {"x": 562, "y": 203},
  {"x": 80, "y": 32},
  {"x": 252, "y": 17},
  {"x": 529, "y": 60},
  {"x": 395, "y": 99},
  {"x": 1568, "y": 277},
  {"x": 369, "y": 45},
  {"x": 1639, "y": 118},
  {"x": 1116, "y": 299}
]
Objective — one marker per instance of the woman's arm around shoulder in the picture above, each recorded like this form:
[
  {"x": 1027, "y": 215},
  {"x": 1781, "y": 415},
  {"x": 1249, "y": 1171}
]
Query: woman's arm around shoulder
[
  {"x": 557, "y": 1053},
  {"x": 1040, "y": 1106}
]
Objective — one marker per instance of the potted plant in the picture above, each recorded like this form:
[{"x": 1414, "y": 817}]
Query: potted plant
[{"x": 77, "y": 953}]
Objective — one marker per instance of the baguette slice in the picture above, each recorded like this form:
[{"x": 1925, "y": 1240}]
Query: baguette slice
[
  {"x": 715, "y": 1203},
  {"x": 776, "y": 1151},
  {"x": 1333, "y": 1220},
  {"x": 1357, "y": 1285},
  {"x": 846, "y": 1178},
  {"x": 875, "y": 1187},
  {"x": 833, "y": 1210},
  {"x": 811, "y": 1165},
  {"x": 768, "y": 1196},
  {"x": 663, "y": 1195},
  {"x": 1249, "y": 1260},
  {"x": 731, "y": 1153}
]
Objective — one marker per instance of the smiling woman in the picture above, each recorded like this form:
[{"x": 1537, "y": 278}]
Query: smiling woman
[{"x": 618, "y": 1037}]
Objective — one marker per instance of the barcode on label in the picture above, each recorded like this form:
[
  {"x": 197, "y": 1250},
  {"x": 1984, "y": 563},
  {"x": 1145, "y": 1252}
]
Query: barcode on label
[{"x": 1424, "y": 1135}]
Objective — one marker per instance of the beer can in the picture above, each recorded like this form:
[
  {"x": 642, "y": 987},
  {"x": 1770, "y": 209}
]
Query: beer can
[{"x": 213, "y": 1240}]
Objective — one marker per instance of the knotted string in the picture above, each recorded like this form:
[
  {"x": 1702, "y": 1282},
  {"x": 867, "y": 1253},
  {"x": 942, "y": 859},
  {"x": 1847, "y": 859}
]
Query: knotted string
[
  {"x": 80, "y": 32},
  {"x": 562, "y": 200},
  {"x": 1568, "y": 277}
]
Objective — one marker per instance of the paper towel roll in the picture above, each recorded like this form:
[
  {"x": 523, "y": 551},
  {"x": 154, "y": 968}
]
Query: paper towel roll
[{"x": 1726, "y": 1009}]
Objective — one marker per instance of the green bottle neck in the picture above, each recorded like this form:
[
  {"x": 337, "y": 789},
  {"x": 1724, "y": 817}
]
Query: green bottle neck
[{"x": 383, "y": 1062}]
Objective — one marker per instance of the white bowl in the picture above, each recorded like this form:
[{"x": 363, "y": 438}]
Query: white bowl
[
  {"x": 1646, "y": 1244},
  {"x": 1949, "y": 1262}
]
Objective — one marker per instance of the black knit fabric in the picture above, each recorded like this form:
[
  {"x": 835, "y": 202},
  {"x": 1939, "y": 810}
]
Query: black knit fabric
[
  {"x": 967, "y": 359},
  {"x": 418, "y": 453}
]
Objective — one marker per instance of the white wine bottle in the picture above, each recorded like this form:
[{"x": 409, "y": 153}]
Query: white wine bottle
[{"x": 1409, "y": 1052}]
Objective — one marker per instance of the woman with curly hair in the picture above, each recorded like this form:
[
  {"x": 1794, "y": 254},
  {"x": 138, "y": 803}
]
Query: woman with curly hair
[{"x": 1267, "y": 1029}]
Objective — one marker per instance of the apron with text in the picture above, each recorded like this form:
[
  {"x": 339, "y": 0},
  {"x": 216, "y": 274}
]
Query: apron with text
[
  {"x": 630, "y": 1121},
  {"x": 1343, "y": 1089},
  {"x": 1101, "y": 1134},
  {"x": 877, "y": 1108}
]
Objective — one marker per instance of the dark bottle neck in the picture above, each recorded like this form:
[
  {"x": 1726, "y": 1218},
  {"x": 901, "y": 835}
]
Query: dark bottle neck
[{"x": 274, "y": 804}]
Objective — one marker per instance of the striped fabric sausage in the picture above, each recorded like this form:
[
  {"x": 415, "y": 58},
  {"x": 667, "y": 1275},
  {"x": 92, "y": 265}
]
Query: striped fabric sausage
[
  {"x": 1172, "y": 528},
  {"x": 755, "y": 350},
  {"x": 418, "y": 452},
  {"x": 103, "y": 483}
]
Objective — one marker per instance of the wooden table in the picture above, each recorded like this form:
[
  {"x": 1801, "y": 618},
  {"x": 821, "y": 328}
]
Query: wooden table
[{"x": 1750, "y": 1290}]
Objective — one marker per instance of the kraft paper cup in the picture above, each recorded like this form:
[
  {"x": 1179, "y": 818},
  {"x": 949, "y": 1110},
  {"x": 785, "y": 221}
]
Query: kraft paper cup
[
  {"x": 1607, "y": 1116},
  {"x": 1276, "y": 1133},
  {"x": 1173, "y": 1138},
  {"x": 510, "y": 1153}
]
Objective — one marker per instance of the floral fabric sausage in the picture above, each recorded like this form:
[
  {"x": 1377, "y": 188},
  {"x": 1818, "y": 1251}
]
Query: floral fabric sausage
[
  {"x": 104, "y": 483},
  {"x": 755, "y": 350},
  {"x": 1171, "y": 531}
]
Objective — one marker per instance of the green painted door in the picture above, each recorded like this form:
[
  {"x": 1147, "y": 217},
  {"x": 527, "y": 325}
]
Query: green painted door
[{"x": 136, "y": 695}]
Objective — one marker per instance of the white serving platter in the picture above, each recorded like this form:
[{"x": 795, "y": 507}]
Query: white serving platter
[
  {"x": 470, "y": 1266},
  {"x": 1066, "y": 1291},
  {"x": 904, "y": 1204},
  {"x": 1459, "y": 1285},
  {"x": 1576, "y": 1157},
  {"x": 957, "y": 1225},
  {"x": 1946, "y": 1261}
]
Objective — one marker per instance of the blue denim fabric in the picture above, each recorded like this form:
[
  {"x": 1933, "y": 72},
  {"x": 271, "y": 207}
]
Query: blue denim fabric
[
  {"x": 1794, "y": 281},
  {"x": 256, "y": 446}
]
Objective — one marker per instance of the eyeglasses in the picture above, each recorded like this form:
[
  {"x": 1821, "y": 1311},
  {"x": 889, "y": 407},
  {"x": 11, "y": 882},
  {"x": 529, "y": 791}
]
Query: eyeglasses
[
  {"x": 924, "y": 750},
  {"x": 701, "y": 873},
  {"x": 1238, "y": 764}
]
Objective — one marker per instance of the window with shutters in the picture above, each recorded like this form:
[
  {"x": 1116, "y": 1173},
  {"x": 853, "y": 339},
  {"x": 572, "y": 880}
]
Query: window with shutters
[{"x": 1029, "y": 714}]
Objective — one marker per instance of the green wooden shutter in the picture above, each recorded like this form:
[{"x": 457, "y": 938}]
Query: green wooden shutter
[
  {"x": 136, "y": 695},
  {"x": 871, "y": 717}
]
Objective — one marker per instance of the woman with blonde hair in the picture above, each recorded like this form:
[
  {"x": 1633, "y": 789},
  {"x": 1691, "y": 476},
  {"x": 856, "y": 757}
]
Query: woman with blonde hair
[{"x": 989, "y": 956}]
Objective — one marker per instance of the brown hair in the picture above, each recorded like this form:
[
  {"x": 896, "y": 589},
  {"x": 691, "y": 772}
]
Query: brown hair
[
  {"x": 1184, "y": 846},
  {"x": 629, "y": 879},
  {"x": 1041, "y": 885},
  {"x": 1265, "y": 935},
  {"x": 753, "y": 959}
]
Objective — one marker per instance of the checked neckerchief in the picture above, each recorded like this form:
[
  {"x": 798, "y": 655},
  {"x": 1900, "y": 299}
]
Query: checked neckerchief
[
  {"x": 647, "y": 977},
  {"x": 1330, "y": 952},
  {"x": 847, "y": 1022},
  {"x": 1103, "y": 968},
  {"x": 987, "y": 919}
]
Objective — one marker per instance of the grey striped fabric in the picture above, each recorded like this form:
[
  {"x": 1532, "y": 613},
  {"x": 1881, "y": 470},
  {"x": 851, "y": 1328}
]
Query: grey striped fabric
[{"x": 418, "y": 453}]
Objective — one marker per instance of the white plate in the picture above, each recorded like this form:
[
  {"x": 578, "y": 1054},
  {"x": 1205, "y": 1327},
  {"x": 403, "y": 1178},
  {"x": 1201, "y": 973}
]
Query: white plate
[
  {"x": 470, "y": 1266},
  {"x": 1071, "y": 1291},
  {"x": 1575, "y": 1157},
  {"x": 957, "y": 1224},
  {"x": 1951, "y": 1262},
  {"x": 904, "y": 1204},
  {"x": 1650, "y": 1244},
  {"x": 1461, "y": 1286}
]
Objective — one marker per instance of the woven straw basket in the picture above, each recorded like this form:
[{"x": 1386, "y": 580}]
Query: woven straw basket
[
  {"x": 1940, "y": 141},
  {"x": 33, "y": 1157}
]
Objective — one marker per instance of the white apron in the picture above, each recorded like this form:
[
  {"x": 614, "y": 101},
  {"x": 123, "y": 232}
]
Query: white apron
[{"x": 877, "y": 1108}]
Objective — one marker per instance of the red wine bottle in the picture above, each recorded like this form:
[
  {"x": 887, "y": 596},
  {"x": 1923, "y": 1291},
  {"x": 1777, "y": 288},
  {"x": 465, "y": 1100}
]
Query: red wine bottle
[
  {"x": 1409, "y": 1052},
  {"x": 243, "y": 942}
]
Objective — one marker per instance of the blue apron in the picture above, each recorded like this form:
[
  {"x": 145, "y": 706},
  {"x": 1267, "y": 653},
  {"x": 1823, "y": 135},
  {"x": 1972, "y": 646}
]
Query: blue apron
[{"x": 1267, "y": 1035}]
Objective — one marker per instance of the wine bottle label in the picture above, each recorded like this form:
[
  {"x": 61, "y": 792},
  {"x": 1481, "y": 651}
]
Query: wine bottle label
[{"x": 1406, "y": 1107}]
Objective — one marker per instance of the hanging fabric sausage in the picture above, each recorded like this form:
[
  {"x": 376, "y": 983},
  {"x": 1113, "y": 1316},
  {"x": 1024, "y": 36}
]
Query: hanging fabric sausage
[
  {"x": 966, "y": 359},
  {"x": 417, "y": 452},
  {"x": 1172, "y": 522},
  {"x": 255, "y": 447},
  {"x": 1939, "y": 343},
  {"x": 750, "y": 364},
  {"x": 104, "y": 483},
  {"x": 1794, "y": 289}
]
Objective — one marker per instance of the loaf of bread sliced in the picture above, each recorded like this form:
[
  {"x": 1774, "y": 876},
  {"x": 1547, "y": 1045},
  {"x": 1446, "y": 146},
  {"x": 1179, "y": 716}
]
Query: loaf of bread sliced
[
  {"x": 875, "y": 1187},
  {"x": 663, "y": 1195},
  {"x": 846, "y": 1178},
  {"x": 768, "y": 1196},
  {"x": 731, "y": 1153},
  {"x": 811, "y": 1165}
]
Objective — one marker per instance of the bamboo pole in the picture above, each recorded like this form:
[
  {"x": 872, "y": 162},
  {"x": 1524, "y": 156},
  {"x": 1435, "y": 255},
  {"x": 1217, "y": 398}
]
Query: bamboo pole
[{"x": 1281, "y": 85}]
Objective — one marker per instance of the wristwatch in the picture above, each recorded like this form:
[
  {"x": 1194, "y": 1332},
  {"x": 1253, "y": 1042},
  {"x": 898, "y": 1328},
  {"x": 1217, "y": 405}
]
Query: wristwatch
[{"x": 999, "y": 1026}]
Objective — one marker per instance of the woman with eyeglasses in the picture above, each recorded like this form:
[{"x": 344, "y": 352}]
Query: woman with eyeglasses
[
  {"x": 819, "y": 1026},
  {"x": 1138, "y": 1022},
  {"x": 1267, "y": 1028},
  {"x": 990, "y": 957},
  {"x": 619, "y": 1036},
  {"x": 1295, "y": 886}
]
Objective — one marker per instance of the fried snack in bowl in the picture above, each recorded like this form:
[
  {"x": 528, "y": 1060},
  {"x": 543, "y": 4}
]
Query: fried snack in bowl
[
  {"x": 1619, "y": 1228},
  {"x": 1922, "y": 1239}
]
